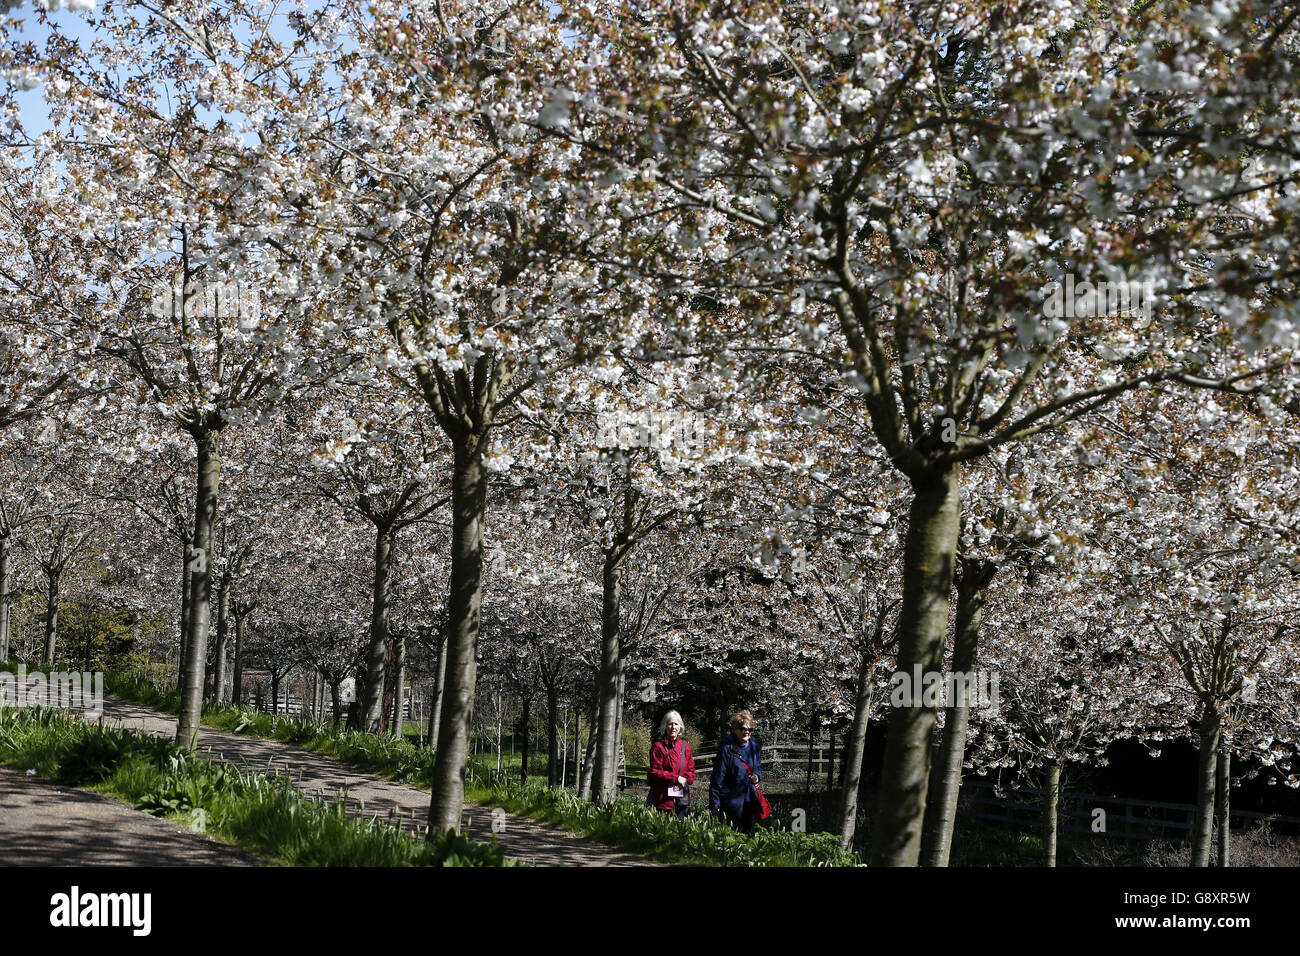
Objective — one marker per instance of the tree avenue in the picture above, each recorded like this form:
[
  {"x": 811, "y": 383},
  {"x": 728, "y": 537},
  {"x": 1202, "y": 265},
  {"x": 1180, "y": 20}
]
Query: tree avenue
[
  {"x": 900, "y": 183},
  {"x": 559, "y": 365}
]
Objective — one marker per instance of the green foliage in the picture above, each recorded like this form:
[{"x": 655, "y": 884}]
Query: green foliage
[
  {"x": 397, "y": 759},
  {"x": 980, "y": 845},
  {"x": 94, "y": 637},
  {"x": 265, "y": 815},
  {"x": 133, "y": 685},
  {"x": 700, "y": 839},
  {"x": 456, "y": 849},
  {"x": 637, "y": 738},
  {"x": 187, "y": 785},
  {"x": 93, "y": 757},
  {"x": 626, "y": 823}
]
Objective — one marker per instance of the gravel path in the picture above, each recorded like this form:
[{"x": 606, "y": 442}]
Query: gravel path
[
  {"x": 44, "y": 824},
  {"x": 368, "y": 795}
]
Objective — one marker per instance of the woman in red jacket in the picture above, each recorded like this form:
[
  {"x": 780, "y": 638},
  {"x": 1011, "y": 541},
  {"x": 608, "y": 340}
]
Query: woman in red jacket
[{"x": 672, "y": 767}]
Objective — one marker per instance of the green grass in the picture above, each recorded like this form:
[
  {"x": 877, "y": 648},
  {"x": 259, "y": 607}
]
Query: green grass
[
  {"x": 698, "y": 840},
  {"x": 627, "y": 823},
  {"x": 264, "y": 815},
  {"x": 976, "y": 844},
  {"x": 143, "y": 691}
]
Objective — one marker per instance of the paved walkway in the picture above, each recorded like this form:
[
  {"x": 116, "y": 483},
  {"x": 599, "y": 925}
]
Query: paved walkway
[
  {"x": 44, "y": 824},
  {"x": 368, "y": 795}
]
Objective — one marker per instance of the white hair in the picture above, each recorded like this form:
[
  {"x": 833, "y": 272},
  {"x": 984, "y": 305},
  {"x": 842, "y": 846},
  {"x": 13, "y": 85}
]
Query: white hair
[{"x": 663, "y": 722}]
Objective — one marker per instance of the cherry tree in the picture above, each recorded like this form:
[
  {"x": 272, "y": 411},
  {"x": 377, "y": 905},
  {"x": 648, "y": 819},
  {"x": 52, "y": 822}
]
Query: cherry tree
[
  {"x": 450, "y": 243},
  {"x": 381, "y": 464},
  {"x": 1068, "y": 687},
  {"x": 897, "y": 186},
  {"x": 1208, "y": 566},
  {"x": 169, "y": 213}
]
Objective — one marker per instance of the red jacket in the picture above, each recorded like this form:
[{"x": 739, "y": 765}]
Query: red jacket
[{"x": 665, "y": 767}]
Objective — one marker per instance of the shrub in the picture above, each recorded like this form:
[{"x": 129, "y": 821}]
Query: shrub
[
  {"x": 637, "y": 738},
  {"x": 1258, "y": 846}
]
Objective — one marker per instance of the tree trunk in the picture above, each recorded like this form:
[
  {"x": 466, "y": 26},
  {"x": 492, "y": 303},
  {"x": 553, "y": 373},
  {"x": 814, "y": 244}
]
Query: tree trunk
[
  {"x": 275, "y": 694},
  {"x": 372, "y": 712},
  {"x": 552, "y": 735},
  {"x": 607, "y": 680},
  {"x": 439, "y": 685},
  {"x": 187, "y": 581},
  {"x": 1206, "y": 771},
  {"x": 854, "y": 748},
  {"x": 390, "y": 688},
  {"x": 51, "y": 615},
  {"x": 399, "y": 685},
  {"x": 564, "y": 748},
  {"x": 524, "y": 730},
  {"x": 587, "y": 774},
  {"x": 577, "y": 744},
  {"x": 87, "y": 646},
  {"x": 500, "y": 710},
  {"x": 6, "y": 545},
  {"x": 237, "y": 675},
  {"x": 223, "y": 645},
  {"x": 205, "y": 516},
  {"x": 945, "y": 777},
  {"x": 922, "y": 629},
  {"x": 618, "y": 723},
  {"x": 336, "y": 701},
  {"x": 1051, "y": 797},
  {"x": 812, "y": 737},
  {"x": 469, "y": 502},
  {"x": 1222, "y": 806}
]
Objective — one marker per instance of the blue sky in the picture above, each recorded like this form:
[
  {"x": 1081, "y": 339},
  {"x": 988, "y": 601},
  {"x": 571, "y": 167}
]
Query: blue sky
[
  {"x": 75, "y": 25},
  {"x": 32, "y": 102}
]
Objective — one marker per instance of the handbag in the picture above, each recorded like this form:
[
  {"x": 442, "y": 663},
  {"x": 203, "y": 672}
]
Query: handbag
[{"x": 764, "y": 808}]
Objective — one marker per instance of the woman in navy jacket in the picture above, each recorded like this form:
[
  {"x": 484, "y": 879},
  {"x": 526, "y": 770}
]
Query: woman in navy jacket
[{"x": 731, "y": 787}]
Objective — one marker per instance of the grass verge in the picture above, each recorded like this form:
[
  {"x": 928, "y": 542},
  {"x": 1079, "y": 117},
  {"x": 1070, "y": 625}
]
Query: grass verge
[
  {"x": 264, "y": 815},
  {"x": 698, "y": 840},
  {"x": 627, "y": 824}
]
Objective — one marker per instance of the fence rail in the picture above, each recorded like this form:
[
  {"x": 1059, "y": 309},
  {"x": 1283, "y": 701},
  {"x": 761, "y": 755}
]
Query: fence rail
[
  {"x": 291, "y": 705},
  {"x": 783, "y": 760},
  {"x": 1125, "y": 818}
]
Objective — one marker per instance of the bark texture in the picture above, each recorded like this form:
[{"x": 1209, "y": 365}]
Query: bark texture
[
  {"x": 854, "y": 747},
  {"x": 469, "y": 502},
  {"x": 6, "y": 546},
  {"x": 372, "y": 691},
  {"x": 1051, "y": 799},
  {"x": 973, "y": 580},
  {"x": 1206, "y": 773},
  {"x": 607, "y": 682},
  {"x": 929, "y": 554},
  {"x": 208, "y": 483}
]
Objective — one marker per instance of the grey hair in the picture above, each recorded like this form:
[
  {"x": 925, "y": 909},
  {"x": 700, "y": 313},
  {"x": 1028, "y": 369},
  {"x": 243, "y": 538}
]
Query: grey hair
[{"x": 663, "y": 722}]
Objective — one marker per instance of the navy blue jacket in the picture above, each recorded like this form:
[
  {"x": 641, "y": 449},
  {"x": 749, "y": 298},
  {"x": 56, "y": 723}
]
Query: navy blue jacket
[{"x": 729, "y": 786}]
